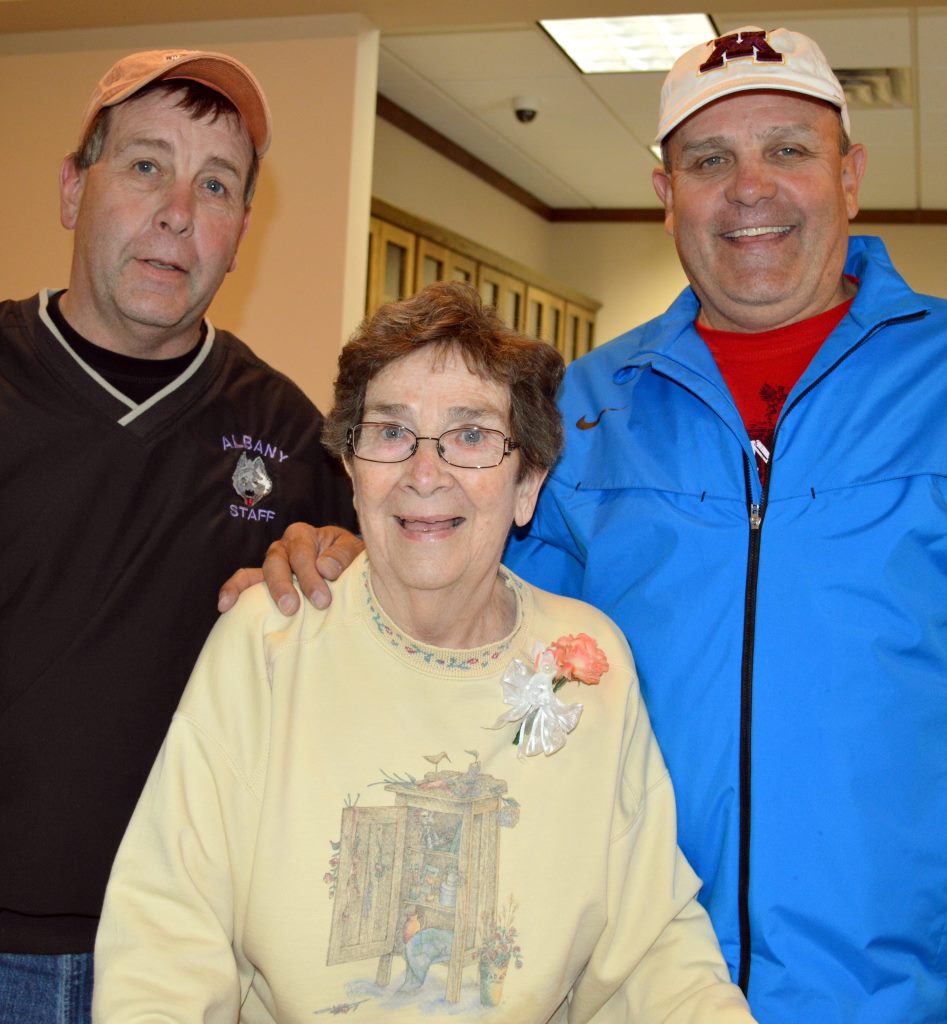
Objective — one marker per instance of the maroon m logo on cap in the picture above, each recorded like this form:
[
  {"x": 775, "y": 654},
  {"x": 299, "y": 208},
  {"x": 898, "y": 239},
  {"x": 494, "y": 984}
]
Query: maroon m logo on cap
[{"x": 735, "y": 46}]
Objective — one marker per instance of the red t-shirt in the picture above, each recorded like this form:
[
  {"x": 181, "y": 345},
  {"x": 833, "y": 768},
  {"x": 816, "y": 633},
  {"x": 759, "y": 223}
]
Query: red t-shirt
[{"x": 761, "y": 369}]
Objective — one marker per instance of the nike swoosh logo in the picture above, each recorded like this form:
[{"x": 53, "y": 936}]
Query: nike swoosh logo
[{"x": 584, "y": 424}]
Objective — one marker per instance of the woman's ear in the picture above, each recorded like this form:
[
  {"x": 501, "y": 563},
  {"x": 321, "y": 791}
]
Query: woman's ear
[{"x": 527, "y": 494}]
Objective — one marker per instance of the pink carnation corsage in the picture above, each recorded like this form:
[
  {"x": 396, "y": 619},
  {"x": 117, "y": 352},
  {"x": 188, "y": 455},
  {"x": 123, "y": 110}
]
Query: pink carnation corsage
[{"x": 530, "y": 692}]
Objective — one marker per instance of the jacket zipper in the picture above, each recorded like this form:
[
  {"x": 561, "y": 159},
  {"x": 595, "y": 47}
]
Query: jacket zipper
[{"x": 755, "y": 515}]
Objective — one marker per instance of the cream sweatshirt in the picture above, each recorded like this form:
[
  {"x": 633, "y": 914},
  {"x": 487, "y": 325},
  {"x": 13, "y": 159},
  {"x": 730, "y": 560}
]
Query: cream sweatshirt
[{"x": 333, "y": 828}]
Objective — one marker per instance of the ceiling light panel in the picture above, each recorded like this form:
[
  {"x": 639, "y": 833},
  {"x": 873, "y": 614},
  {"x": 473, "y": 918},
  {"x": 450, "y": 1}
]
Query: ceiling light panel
[{"x": 622, "y": 45}]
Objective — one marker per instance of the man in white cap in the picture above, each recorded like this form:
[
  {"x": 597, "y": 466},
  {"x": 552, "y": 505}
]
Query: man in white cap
[
  {"x": 753, "y": 488},
  {"x": 145, "y": 456}
]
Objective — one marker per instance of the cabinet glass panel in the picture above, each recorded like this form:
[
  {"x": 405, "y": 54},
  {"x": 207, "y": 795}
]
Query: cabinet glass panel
[
  {"x": 579, "y": 326},
  {"x": 490, "y": 293},
  {"x": 573, "y": 337},
  {"x": 514, "y": 309},
  {"x": 534, "y": 318},
  {"x": 555, "y": 324},
  {"x": 504, "y": 292},
  {"x": 431, "y": 270},
  {"x": 396, "y": 266}
]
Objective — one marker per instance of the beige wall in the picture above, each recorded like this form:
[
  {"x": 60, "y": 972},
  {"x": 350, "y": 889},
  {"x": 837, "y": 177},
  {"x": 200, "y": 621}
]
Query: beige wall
[
  {"x": 918, "y": 251},
  {"x": 632, "y": 269},
  {"x": 298, "y": 290}
]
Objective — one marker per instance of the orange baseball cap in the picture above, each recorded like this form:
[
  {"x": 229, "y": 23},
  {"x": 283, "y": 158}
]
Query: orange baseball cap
[{"x": 215, "y": 70}]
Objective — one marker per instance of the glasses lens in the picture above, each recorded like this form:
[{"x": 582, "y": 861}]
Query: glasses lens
[
  {"x": 473, "y": 447},
  {"x": 382, "y": 442}
]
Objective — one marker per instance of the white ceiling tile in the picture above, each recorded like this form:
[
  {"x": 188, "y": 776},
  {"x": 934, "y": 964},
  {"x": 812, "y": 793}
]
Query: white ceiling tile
[{"x": 633, "y": 99}]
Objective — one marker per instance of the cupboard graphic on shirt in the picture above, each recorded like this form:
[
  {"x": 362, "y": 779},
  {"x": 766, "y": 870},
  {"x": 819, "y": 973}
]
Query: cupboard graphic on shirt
[{"x": 419, "y": 882}]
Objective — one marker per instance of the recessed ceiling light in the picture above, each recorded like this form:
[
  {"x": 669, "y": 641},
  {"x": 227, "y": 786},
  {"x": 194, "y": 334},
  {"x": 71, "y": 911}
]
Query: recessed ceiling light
[{"x": 619, "y": 45}]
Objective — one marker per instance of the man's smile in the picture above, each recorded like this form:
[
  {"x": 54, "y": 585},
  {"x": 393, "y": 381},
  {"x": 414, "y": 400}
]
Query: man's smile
[{"x": 781, "y": 229}]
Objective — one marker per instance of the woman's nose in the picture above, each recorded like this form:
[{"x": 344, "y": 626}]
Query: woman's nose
[{"x": 426, "y": 467}]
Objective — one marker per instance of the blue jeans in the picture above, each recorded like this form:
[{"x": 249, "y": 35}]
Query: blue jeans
[{"x": 45, "y": 989}]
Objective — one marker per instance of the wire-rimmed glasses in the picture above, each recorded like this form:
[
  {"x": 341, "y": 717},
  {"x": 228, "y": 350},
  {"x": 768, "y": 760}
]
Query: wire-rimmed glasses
[{"x": 469, "y": 447}]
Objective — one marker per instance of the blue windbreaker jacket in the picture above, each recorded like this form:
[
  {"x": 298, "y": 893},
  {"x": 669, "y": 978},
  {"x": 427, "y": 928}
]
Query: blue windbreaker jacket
[{"x": 792, "y": 642}]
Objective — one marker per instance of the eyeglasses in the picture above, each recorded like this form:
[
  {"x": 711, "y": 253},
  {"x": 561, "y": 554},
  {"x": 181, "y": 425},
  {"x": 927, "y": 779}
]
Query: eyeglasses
[{"x": 464, "y": 447}]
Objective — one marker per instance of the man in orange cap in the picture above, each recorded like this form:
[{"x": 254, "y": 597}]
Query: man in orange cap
[{"x": 146, "y": 456}]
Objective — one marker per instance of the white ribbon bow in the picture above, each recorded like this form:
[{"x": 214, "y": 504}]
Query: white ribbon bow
[{"x": 545, "y": 718}]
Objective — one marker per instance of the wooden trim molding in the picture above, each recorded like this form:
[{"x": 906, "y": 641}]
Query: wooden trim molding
[{"x": 424, "y": 133}]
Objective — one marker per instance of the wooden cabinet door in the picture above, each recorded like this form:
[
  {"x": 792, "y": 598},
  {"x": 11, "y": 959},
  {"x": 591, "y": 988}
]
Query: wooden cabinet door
[
  {"x": 391, "y": 272},
  {"x": 545, "y": 316},
  {"x": 580, "y": 325},
  {"x": 433, "y": 263},
  {"x": 507, "y": 293},
  {"x": 366, "y": 907}
]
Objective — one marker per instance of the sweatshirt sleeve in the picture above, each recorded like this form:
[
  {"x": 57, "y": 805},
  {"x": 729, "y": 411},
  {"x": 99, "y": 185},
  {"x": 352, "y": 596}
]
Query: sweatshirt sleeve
[
  {"x": 657, "y": 960},
  {"x": 164, "y": 946}
]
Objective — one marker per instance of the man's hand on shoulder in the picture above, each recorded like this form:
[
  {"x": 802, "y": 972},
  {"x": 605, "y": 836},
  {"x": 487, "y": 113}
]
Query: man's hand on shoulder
[{"x": 314, "y": 553}]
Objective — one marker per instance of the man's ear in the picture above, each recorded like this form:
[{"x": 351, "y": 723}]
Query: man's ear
[
  {"x": 853, "y": 169},
  {"x": 71, "y": 186},
  {"x": 661, "y": 180},
  {"x": 243, "y": 231}
]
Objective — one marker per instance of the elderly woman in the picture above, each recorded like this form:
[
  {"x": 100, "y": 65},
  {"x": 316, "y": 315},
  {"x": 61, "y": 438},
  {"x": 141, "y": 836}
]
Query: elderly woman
[{"x": 440, "y": 799}]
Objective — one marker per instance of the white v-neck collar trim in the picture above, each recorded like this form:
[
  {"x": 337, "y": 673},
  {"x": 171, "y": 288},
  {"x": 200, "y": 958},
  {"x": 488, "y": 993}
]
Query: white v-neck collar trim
[{"x": 135, "y": 409}]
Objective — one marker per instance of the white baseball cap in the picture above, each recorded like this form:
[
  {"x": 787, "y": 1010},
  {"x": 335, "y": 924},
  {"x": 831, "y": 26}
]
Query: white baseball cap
[
  {"x": 219, "y": 72},
  {"x": 742, "y": 60}
]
